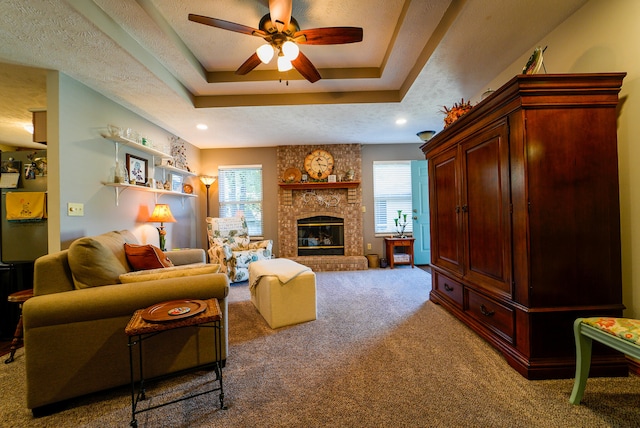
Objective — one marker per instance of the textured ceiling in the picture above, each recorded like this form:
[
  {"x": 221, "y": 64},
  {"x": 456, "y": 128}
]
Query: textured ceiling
[{"x": 415, "y": 57}]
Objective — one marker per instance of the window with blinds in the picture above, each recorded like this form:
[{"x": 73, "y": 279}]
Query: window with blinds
[
  {"x": 240, "y": 191},
  {"x": 391, "y": 193}
]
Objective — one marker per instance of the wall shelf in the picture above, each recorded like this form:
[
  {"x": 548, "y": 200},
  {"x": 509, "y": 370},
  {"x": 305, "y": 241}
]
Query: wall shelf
[
  {"x": 137, "y": 146},
  {"x": 121, "y": 187},
  {"x": 177, "y": 170}
]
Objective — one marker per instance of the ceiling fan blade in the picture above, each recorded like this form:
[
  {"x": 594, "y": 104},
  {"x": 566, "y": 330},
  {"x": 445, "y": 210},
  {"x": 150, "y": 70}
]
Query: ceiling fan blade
[
  {"x": 306, "y": 68},
  {"x": 280, "y": 11},
  {"x": 252, "y": 62},
  {"x": 226, "y": 25},
  {"x": 329, "y": 36}
]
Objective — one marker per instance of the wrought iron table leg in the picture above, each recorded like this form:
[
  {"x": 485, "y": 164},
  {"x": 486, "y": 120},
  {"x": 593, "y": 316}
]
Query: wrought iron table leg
[{"x": 17, "y": 337}]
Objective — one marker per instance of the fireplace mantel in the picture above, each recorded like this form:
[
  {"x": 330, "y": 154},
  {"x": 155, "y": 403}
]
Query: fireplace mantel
[
  {"x": 320, "y": 185},
  {"x": 349, "y": 186}
]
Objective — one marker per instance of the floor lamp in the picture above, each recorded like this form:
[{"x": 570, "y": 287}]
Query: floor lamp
[{"x": 207, "y": 180}]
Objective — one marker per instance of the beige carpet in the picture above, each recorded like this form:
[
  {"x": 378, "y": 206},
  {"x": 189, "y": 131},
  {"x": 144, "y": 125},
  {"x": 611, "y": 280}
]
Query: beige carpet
[{"x": 379, "y": 355}]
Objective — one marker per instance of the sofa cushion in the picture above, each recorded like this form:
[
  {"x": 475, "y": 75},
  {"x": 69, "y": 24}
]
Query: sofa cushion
[
  {"x": 144, "y": 257},
  {"x": 170, "y": 272},
  {"x": 99, "y": 260}
]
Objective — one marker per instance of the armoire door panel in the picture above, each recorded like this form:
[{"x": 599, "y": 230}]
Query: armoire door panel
[
  {"x": 446, "y": 248},
  {"x": 486, "y": 204}
]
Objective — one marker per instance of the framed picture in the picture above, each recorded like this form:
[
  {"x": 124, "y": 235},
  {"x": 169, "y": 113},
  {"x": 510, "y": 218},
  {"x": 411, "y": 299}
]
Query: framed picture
[
  {"x": 331, "y": 178},
  {"x": 11, "y": 166},
  {"x": 138, "y": 169},
  {"x": 176, "y": 183}
]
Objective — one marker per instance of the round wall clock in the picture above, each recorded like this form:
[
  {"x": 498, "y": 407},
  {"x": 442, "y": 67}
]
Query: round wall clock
[{"x": 319, "y": 164}]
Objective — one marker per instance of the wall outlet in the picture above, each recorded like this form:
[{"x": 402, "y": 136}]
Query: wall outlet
[
  {"x": 368, "y": 245},
  {"x": 75, "y": 209}
]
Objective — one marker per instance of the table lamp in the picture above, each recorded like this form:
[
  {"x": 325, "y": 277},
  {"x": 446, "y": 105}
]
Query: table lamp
[{"x": 162, "y": 213}]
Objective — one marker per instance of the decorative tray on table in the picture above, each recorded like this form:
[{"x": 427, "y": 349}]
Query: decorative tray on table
[{"x": 173, "y": 310}]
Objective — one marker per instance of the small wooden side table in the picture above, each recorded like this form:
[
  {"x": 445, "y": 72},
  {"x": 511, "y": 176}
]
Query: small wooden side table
[
  {"x": 18, "y": 297},
  {"x": 392, "y": 243},
  {"x": 139, "y": 330}
]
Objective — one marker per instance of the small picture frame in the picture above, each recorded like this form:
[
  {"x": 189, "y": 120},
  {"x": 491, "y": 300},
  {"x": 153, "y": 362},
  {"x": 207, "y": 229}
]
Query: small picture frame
[
  {"x": 176, "y": 183},
  {"x": 138, "y": 169},
  {"x": 331, "y": 178}
]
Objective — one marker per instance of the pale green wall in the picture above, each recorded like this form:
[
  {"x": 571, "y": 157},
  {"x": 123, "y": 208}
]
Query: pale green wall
[
  {"x": 604, "y": 36},
  {"x": 81, "y": 160}
]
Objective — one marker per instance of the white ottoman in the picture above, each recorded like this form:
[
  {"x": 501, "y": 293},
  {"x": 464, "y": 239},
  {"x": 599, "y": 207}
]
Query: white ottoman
[{"x": 283, "y": 291}]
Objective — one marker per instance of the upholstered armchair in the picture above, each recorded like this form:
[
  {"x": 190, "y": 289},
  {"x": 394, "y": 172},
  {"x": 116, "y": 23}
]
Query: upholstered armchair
[{"x": 231, "y": 247}]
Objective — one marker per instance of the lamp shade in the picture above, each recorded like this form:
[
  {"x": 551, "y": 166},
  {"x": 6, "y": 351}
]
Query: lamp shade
[
  {"x": 162, "y": 214},
  {"x": 426, "y": 135},
  {"x": 290, "y": 50},
  {"x": 284, "y": 64},
  {"x": 265, "y": 53},
  {"x": 207, "y": 180}
]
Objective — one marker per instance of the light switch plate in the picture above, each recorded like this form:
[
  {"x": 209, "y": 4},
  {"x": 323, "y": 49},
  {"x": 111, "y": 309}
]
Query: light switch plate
[{"x": 75, "y": 209}]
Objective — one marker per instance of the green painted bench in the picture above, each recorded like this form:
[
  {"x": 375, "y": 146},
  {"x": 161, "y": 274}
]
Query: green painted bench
[{"x": 622, "y": 334}]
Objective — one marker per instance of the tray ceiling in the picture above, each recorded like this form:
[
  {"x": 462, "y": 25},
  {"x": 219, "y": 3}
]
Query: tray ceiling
[{"x": 415, "y": 57}]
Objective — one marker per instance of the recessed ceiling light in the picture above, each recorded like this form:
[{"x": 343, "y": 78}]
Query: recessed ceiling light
[
  {"x": 401, "y": 121},
  {"x": 202, "y": 126}
]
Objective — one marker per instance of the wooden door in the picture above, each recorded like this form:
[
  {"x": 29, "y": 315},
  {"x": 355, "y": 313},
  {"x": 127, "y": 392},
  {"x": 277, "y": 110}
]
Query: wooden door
[
  {"x": 444, "y": 197},
  {"x": 486, "y": 209}
]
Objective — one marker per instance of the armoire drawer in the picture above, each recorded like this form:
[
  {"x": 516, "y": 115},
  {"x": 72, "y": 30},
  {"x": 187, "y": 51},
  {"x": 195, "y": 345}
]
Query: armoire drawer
[
  {"x": 494, "y": 315},
  {"x": 449, "y": 288}
]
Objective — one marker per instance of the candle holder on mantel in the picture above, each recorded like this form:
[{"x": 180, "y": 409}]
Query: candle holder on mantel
[{"x": 401, "y": 224}]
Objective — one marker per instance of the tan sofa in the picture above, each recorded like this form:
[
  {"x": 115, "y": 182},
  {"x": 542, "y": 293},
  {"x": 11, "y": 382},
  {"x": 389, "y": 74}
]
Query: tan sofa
[{"x": 74, "y": 325}]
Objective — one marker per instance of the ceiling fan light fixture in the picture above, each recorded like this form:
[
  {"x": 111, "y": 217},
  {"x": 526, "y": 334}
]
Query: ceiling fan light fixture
[
  {"x": 290, "y": 50},
  {"x": 265, "y": 53},
  {"x": 284, "y": 64}
]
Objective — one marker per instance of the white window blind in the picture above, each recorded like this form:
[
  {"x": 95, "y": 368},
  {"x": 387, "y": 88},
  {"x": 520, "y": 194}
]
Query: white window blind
[
  {"x": 240, "y": 191},
  {"x": 391, "y": 193}
]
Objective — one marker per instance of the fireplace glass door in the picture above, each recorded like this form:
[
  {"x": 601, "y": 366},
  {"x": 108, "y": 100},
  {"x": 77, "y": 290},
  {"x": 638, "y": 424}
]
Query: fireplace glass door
[{"x": 321, "y": 236}]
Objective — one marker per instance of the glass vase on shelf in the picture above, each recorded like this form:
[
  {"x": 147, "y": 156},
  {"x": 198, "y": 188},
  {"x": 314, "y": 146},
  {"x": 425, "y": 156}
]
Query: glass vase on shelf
[{"x": 120, "y": 173}]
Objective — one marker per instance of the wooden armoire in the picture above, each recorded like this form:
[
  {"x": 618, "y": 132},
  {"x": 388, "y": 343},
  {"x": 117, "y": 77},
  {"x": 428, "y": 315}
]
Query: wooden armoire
[{"x": 525, "y": 218}]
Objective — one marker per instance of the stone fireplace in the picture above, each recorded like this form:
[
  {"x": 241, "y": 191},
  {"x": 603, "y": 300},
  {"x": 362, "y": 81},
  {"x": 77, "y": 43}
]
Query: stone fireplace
[{"x": 321, "y": 204}]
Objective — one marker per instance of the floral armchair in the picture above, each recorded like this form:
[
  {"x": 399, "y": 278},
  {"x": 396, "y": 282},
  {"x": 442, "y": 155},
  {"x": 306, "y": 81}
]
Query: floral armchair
[{"x": 230, "y": 246}]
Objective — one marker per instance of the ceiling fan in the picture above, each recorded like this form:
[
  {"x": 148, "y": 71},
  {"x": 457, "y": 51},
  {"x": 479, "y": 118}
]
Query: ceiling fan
[{"x": 282, "y": 35}]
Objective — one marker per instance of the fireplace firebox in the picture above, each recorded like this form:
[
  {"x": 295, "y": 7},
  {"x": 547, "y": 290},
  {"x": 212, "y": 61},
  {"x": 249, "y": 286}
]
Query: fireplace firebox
[{"x": 321, "y": 236}]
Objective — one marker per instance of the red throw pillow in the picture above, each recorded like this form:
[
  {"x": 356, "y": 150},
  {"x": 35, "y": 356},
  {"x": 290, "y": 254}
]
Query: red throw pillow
[{"x": 144, "y": 257}]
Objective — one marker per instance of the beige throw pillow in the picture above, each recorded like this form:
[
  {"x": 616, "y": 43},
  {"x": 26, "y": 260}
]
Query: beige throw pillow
[{"x": 170, "y": 272}]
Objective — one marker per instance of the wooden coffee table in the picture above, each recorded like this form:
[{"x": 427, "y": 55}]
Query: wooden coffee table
[{"x": 149, "y": 322}]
